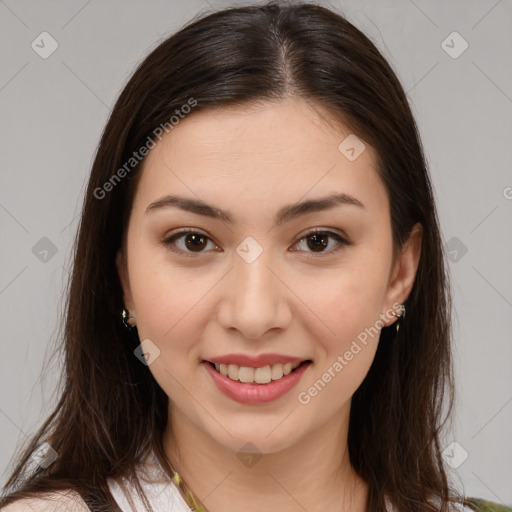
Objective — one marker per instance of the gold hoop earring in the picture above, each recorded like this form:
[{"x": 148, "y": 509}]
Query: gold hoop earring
[
  {"x": 127, "y": 319},
  {"x": 399, "y": 316}
]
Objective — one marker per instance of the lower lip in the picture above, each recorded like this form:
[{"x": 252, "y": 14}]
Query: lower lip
[{"x": 256, "y": 393}]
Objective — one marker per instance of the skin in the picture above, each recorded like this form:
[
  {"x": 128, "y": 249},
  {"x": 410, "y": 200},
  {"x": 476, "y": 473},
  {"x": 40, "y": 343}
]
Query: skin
[{"x": 291, "y": 300}]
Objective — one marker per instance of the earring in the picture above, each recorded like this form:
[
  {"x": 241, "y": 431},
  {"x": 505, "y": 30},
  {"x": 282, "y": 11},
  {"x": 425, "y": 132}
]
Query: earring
[
  {"x": 399, "y": 316},
  {"x": 128, "y": 320}
]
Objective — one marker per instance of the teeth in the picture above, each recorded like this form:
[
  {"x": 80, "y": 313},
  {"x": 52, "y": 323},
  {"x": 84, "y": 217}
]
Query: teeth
[
  {"x": 246, "y": 374},
  {"x": 262, "y": 375},
  {"x": 233, "y": 371},
  {"x": 277, "y": 371}
]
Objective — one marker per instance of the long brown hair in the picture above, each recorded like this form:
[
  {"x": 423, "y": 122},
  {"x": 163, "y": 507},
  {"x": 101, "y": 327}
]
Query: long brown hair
[{"x": 111, "y": 410}]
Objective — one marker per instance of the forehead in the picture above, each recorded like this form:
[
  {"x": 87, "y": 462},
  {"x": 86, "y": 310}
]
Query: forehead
[{"x": 267, "y": 154}]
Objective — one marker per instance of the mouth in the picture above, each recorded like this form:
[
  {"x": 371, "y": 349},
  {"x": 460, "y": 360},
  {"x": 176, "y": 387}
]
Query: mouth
[
  {"x": 257, "y": 376},
  {"x": 250, "y": 385}
]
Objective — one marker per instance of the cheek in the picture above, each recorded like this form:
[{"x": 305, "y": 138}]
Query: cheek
[
  {"x": 171, "y": 314},
  {"x": 346, "y": 338},
  {"x": 348, "y": 298},
  {"x": 347, "y": 303},
  {"x": 365, "y": 280},
  {"x": 156, "y": 291},
  {"x": 338, "y": 378}
]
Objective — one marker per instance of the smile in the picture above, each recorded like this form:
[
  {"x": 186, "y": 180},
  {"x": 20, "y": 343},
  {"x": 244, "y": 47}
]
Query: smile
[
  {"x": 262, "y": 375},
  {"x": 253, "y": 386}
]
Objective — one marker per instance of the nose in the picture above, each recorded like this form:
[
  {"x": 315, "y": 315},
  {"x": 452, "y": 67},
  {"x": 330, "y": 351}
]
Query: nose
[{"x": 254, "y": 298}]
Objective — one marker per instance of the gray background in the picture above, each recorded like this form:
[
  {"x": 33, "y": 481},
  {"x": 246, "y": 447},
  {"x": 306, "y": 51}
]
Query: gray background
[{"x": 53, "y": 111}]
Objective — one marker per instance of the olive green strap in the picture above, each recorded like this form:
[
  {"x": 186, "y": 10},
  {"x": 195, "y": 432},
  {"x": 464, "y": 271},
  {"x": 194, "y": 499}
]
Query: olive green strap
[
  {"x": 187, "y": 494},
  {"x": 481, "y": 505}
]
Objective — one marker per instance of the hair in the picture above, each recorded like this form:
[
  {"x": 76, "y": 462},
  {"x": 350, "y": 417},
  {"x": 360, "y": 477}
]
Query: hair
[{"x": 111, "y": 411}]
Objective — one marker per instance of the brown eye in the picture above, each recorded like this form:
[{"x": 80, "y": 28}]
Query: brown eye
[
  {"x": 194, "y": 242},
  {"x": 318, "y": 241}
]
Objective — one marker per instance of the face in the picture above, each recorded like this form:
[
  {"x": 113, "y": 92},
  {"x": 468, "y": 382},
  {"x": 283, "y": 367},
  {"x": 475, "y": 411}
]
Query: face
[{"x": 253, "y": 279}]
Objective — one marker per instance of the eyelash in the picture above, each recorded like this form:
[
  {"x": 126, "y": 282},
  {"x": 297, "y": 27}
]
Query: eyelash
[{"x": 169, "y": 241}]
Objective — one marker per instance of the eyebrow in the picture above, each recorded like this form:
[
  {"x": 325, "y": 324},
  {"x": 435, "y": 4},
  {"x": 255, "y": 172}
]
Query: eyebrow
[{"x": 285, "y": 214}]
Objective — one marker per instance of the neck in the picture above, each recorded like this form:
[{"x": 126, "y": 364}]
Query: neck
[{"x": 312, "y": 475}]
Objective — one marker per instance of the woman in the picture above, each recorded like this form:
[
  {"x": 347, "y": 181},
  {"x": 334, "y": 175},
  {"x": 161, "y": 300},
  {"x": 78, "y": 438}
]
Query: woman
[{"x": 258, "y": 314}]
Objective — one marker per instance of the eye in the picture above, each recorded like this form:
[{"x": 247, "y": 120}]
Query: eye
[
  {"x": 319, "y": 240},
  {"x": 194, "y": 242}
]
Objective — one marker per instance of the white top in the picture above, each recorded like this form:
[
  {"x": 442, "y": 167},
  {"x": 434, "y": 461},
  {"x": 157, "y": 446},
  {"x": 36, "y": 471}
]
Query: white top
[{"x": 161, "y": 491}]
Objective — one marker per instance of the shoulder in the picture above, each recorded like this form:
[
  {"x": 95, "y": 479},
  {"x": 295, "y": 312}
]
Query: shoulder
[
  {"x": 466, "y": 504},
  {"x": 65, "y": 501}
]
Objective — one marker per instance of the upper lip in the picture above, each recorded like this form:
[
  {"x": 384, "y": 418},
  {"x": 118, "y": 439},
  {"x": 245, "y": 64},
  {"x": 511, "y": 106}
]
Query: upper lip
[{"x": 255, "y": 361}]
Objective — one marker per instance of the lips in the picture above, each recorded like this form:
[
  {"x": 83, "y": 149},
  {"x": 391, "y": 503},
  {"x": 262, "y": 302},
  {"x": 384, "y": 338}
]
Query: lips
[{"x": 255, "y": 393}]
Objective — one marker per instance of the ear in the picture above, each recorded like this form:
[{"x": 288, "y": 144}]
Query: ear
[
  {"x": 122, "y": 272},
  {"x": 404, "y": 271}
]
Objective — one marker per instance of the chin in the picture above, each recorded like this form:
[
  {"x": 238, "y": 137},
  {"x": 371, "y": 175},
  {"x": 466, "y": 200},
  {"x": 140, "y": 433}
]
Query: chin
[{"x": 260, "y": 436}]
